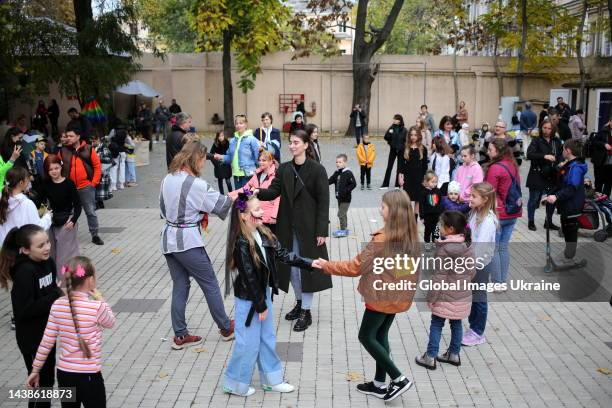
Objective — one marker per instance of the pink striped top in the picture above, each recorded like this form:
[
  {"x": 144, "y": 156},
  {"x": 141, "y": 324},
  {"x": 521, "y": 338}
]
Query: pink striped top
[{"x": 91, "y": 316}]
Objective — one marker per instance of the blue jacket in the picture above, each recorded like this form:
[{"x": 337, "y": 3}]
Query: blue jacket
[
  {"x": 571, "y": 194},
  {"x": 529, "y": 120},
  {"x": 449, "y": 205},
  {"x": 248, "y": 155}
]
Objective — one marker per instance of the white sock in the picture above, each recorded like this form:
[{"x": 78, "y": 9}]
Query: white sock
[
  {"x": 379, "y": 384},
  {"x": 398, "y": 379}
]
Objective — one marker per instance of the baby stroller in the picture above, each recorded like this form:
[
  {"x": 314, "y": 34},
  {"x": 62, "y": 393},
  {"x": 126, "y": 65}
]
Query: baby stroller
[{"x": 591, "y": 215}]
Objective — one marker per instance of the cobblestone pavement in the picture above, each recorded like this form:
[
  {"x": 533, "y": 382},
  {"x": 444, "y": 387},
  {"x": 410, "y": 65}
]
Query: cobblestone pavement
[{"x": 541, "y": 353}]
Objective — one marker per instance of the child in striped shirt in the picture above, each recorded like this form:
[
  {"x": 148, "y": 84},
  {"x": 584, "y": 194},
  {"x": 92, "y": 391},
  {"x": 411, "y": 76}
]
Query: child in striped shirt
[{"x": 77, "y": 320}]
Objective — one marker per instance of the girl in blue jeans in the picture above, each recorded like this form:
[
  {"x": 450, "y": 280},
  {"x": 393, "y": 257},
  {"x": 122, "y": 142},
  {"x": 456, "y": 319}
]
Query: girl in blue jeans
[
  {"x": 483, "y": 224},
  {"x": 252, "y": 251}
]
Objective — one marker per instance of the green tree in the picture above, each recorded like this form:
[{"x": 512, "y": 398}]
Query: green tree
[
  {"x": 250, "y": 29},
  {"x": 89, "y": 59},
  {"x": 170, "y": 23}
]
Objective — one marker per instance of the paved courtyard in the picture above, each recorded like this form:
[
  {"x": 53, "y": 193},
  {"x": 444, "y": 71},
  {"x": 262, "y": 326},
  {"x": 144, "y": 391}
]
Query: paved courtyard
[{"x": 540, "y": 352}]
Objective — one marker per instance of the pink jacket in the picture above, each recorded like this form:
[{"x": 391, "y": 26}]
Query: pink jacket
[
  {"x": 466, "y": 176},
  {"x": 454, "y": 304},
  {"x": 501, "y": 181},
  {"x": 270, "y": 207}
]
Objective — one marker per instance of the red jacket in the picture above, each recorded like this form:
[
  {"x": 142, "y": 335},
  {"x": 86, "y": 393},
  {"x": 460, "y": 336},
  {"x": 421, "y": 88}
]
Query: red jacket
[
  {"x": 501, "y": 181},
  {"x": 77, "y": 172}
]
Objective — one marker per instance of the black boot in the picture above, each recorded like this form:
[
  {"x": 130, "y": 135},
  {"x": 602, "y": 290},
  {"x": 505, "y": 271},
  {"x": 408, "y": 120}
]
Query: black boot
[
  {"x": 551, "y": 226},
  {"x": 295, "y": 312},
  {"x": 532, "y": 226},
  {"x": 303, "y": 322}
]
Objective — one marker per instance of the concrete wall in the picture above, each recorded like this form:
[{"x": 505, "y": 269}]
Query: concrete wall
[{"x": 403, "y": 84}]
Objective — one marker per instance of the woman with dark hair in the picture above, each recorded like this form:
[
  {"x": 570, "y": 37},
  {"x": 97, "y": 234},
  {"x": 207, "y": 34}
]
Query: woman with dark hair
[
  {"x": 544, "y": 153},
  {"x": 396, "y": 139},
  {"x": 13, "y": 142},
  {"x": 447, "y": 131},
  {"x": 501, "y": 172},
  {"x": 314, "y": 149},
  {"x": 297, "y": 124},
  {"x": 54, "y": 112},
  {"x": 64, "y": 201},
  {"x": 303, "y": 186},
  {"x": 442, "y": 162},
  {"x": 40, "y": 118},
  {"x": 185, "y": 200},
  {"x": 223, "y": 171},
  {"x": 412, "y": 166}
]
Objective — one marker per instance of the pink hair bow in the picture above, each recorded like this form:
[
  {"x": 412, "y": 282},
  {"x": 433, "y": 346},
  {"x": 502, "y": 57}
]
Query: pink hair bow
[
  {"x": 80, "y": 271},
  {"x": 63, "y": 270}
]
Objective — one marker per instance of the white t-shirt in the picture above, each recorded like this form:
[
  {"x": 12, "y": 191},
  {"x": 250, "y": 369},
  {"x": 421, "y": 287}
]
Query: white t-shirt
[{"x": 22, "y": 211}]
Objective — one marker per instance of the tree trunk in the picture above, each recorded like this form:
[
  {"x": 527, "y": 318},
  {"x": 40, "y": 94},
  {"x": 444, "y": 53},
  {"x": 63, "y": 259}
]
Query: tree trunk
[
  {"x": 582, "y": 92},
  {"x": 500, "y": 78},
  {"x": 610, "y": 18},
  {"x": 363, "y": 51},
  {"x": 83, "y": 15},
  {"x": 455, "y": 82},
  {"x": 228, "y": 91},
  {"x": 521, "y": 54}
]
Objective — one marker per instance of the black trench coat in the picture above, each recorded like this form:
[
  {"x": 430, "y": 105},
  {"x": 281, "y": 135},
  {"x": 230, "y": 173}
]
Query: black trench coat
[{"x": 305, "y": 211}]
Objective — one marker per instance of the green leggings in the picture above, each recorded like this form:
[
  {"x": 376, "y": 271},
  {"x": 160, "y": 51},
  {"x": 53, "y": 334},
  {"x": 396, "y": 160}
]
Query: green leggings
[{"x": 374, "y": 336}]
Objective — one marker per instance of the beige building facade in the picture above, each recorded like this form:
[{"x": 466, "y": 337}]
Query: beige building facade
[{"x": 402, "y": 85}]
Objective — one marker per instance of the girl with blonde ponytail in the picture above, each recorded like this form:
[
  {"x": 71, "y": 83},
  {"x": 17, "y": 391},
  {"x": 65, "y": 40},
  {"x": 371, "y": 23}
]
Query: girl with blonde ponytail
[{"x": 77, "y": 318}]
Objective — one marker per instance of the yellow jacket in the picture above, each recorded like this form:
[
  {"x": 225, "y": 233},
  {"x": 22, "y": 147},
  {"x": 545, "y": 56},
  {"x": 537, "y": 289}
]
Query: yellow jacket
[{"x": 361, "y": 155}]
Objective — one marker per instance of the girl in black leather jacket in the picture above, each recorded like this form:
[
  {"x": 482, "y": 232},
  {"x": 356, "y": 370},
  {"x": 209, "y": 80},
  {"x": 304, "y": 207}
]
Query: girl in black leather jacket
[{"x": 253, "y": 251}]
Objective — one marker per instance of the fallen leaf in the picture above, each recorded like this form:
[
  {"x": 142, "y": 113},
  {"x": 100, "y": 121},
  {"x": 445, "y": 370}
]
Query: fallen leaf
[
  {"x": 200, "y": 350},
  {"x": 115, "y": 251},
  {"x": 544, "y": 318},
  {"x": 163, "y": 375},
  {"x": 353, "y": 376},
  {"x": 604, "y": 371}
]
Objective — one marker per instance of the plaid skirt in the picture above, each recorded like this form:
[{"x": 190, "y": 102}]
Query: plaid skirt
[{"x": 103, "y": 188}]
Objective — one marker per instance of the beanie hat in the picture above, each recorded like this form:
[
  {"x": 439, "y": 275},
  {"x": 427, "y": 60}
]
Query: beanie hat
[{"x": 454, "y": 187}]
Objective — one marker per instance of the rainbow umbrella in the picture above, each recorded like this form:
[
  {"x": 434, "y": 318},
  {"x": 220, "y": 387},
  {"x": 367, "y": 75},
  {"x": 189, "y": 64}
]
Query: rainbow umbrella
[{"x": 93, "y": 112}]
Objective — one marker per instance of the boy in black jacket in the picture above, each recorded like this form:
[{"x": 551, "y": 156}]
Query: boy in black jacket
[{"x": 344, "y": 182}]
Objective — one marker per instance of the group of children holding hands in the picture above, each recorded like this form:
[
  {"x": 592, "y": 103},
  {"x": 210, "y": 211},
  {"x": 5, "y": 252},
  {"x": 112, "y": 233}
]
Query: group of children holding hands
[{"x": 462, "y": 223}]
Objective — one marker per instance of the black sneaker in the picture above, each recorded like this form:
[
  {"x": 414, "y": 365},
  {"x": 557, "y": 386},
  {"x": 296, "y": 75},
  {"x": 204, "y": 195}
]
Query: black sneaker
[
  {"x": 397, "y": 388},
  {"x": 303, "y": 322},
  {"x": 532, "y": 226},
  {"x": 370, "y": 389},
  {"x": 12, "y": 323},
  {"x": 362, "y": 187},
  {"x": 295, "y": 312},
  {"x": 97, "y": 240}
]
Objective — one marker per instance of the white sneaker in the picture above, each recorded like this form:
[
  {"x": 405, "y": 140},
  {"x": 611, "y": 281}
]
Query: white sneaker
[
  {"x": 249, "y": 392},
  {"x": 282, "y": 387}
]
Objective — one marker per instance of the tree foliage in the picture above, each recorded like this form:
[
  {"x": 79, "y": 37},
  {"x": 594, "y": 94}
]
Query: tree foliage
[
  {"x": 255, "y": 28},
  {"x": 170, "y": 23},
  {"x": 88, "y": 61}
]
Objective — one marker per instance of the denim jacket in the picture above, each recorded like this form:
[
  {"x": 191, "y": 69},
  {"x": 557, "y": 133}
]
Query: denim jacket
[{"x": 248, "y": 153}]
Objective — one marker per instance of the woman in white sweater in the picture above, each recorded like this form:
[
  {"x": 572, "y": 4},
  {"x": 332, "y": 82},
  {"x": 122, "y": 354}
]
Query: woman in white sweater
[{"x": 15, "y": 208}]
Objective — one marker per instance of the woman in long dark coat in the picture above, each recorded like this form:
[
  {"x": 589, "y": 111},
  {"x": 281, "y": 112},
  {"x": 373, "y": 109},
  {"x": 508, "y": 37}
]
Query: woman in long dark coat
[{"x": 302, "y": 224}]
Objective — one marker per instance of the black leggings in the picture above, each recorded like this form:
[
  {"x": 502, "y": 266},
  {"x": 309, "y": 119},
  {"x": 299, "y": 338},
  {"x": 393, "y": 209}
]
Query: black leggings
[
  {"x": 47, "y": 375},
  {"x": 228, "y": 183},
  {"x": 374, "y": 336},
  {"x": 430, "y": 221},
  {"x": 90, "y": 390}
]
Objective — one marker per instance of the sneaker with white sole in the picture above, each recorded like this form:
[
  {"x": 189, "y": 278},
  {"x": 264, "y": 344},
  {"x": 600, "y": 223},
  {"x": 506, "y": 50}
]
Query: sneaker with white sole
[
  {"x": 397, "y": 388},
  {"x": 473, "y": 339},
  {"x": 188, "y": 340},
  {"x": 370, "y": 388},
  {"x": 282, "y": 387},
  {"x": 249, "y": 392}
]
